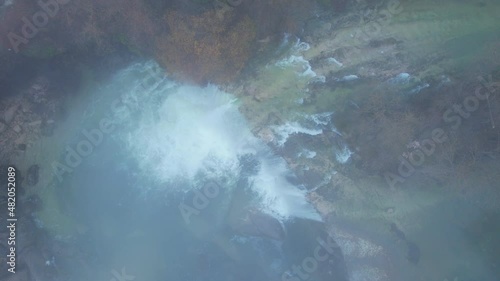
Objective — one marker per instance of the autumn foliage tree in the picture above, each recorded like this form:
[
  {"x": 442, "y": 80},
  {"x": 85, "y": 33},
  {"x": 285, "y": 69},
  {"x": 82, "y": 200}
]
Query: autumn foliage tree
[
  {"x": 195, "y": 40},
  {"x": 209, "y": 47},
  {"x": 102, "y": 24}
]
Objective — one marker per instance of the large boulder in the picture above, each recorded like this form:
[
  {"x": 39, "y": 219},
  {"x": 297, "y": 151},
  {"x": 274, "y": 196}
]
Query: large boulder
[{"x": 257, "y": 223}]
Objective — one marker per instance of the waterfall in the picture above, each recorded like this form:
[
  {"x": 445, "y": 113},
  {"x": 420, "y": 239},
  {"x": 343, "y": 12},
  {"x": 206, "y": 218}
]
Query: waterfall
[{"x": 178, "y": 132}]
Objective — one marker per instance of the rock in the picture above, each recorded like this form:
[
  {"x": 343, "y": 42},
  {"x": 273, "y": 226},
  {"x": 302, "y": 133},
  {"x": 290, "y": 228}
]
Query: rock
[
  {"x": 348, "y": 78},
  {"x": 17, "y": 129},
  {"x": 389, "y": 210},
  {"x": 38, "y": 90},
  {"x": 266, "y": 135},
  {"x": 397, "y": 232},
  {"x": 323, "y": 206},
  {"x": 47, "y": 128},
  {"x": 25, "y": 108},
  {"x": 413, "y": 252},
  {"x": 9, "y": 114},
  {"x": 312, "y": 178},
  {"x": 3, "y": 127},
  {"x": 35, "y": 123},
  {"x": 257, "y": 223}
]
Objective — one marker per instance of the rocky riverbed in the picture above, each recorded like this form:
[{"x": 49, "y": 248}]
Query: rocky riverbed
[{"x": 298, "y": 102}]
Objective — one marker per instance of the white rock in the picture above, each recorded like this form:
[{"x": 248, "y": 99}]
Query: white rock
[
  {"x": 35, "y": 123},
  {"x": 335, "y": 61},
  {"x": 10, "y": 113},
  {"x": 349, "y": 77},
  {"x": 16, "y": 129}
]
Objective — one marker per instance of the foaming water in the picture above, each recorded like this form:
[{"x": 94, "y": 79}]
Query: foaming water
[
  {"x": 194, "y": 129},
  {"x": 183, "y": 133}
]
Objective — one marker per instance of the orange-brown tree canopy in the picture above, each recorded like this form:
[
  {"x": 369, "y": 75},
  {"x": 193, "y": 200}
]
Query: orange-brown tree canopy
[{"x": 210, "y": 47}]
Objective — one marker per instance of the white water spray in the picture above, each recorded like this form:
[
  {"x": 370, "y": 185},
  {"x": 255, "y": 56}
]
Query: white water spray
[{"x": 179, "y": 131}]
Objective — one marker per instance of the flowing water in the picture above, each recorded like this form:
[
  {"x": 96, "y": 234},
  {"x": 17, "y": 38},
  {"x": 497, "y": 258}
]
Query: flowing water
[{"x": 165, "y": 192}]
